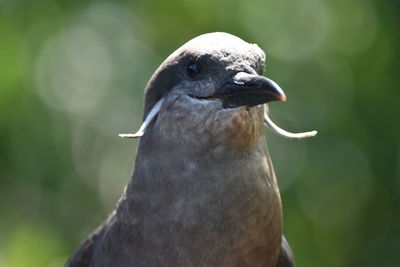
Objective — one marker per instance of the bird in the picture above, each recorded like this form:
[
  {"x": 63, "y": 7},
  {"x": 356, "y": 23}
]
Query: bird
[{"x": 203, "y": 190}]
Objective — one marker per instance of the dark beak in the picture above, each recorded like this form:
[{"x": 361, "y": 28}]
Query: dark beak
[{"x": 245, "y": 89}]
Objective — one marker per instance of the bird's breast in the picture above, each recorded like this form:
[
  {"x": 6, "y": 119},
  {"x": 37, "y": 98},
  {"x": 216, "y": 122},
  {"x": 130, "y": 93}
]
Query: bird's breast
[{"x": 222, "y": 208}]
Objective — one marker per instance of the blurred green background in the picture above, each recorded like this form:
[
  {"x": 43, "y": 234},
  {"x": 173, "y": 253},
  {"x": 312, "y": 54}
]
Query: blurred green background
[{"x": 72, "y": 75}]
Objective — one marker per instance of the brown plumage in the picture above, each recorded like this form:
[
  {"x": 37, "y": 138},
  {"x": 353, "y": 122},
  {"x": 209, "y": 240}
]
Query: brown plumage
[{"x": 203, "y": 191}]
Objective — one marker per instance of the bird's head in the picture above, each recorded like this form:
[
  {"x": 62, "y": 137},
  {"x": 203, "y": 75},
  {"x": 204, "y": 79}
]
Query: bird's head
[{"x": 210, "y": 88}]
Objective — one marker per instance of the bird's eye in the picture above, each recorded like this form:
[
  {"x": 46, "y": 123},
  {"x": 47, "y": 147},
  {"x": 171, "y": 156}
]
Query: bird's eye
[{"x": 193, "y": 69}]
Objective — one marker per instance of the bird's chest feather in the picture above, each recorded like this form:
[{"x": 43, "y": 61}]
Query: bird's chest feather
[{"x": 216, "y": 209}]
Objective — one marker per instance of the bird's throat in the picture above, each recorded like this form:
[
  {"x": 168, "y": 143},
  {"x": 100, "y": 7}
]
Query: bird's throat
[{"x": 243, "y": 129}]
